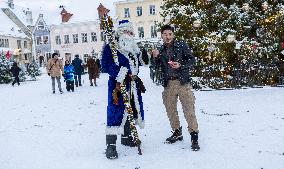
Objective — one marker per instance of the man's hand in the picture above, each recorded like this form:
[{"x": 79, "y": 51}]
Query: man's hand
[
  {"x": 174, "y": 65},
  {"x": 155, "y": 53}
]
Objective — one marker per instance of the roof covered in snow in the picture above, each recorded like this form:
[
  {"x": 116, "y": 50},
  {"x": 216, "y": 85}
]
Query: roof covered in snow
[{"x": 7, "y": 26}]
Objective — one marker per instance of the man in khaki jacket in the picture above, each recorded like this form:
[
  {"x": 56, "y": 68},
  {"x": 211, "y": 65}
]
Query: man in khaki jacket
[{"x": 54, "y": 69}]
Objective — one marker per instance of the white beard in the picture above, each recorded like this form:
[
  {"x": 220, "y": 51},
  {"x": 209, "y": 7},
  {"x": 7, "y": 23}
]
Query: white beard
[{"x": 127, "y": 44}]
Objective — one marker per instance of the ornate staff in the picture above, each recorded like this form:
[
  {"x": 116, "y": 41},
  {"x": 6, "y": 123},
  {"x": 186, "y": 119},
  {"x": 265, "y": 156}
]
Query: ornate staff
[{"x": 107, "y": 27}]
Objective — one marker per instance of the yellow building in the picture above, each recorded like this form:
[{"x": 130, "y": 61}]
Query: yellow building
[{"x": 144, "y": 15}]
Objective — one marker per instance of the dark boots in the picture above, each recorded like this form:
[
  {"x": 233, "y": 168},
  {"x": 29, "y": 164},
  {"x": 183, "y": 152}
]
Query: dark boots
[
  {"x": 126, "y": 138},
  {"x": 176, "y": 136},
  {"x": 111, "y": 152},
  {"x": 194, "y": 141}
]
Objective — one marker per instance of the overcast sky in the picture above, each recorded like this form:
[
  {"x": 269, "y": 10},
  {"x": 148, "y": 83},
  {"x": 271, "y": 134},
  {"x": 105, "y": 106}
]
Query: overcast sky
[{"x": 83, "y": 10}]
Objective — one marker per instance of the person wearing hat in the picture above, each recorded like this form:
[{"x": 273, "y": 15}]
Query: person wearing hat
[
  {"x": 54, "y": 70},
  {"x": 122, "y": 70}
]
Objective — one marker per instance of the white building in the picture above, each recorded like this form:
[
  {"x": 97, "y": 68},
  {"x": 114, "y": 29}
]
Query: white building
[
  {"x": 76, "y": 37},
  {"x": 15, "y": 32},
  {"x": 70, "y": 39}
]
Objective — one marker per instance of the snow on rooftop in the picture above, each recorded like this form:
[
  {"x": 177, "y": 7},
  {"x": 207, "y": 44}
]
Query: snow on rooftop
[{"x": 7, "y": 26}]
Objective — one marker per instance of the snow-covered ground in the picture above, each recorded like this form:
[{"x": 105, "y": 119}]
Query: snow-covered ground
[{"x": 239, "y": 129}]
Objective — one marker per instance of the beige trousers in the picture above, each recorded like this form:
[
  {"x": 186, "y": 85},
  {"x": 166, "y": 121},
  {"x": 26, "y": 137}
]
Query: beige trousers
[{"x": 171, "y": 93}]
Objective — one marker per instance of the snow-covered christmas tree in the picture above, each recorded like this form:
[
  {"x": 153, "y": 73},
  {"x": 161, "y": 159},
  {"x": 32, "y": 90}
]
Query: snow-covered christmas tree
[
  {"x": 5, "y": 74},
  {"x": 33, "y": 70},
  {"x": 236, "y": 42},
  {"x": 22, "y": 74}
]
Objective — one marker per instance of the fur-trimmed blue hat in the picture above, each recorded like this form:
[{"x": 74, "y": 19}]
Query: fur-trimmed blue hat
[{"x": 124, "y": 25}]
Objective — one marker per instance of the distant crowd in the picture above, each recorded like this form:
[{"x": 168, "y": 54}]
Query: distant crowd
[{"x": 72, "y": 72}]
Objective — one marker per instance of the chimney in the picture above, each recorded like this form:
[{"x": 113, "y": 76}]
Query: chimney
[
  {"x": 11, "y": 4},
  {"x": 29, "y": 18},
  {"x": 65, "y": 15}
]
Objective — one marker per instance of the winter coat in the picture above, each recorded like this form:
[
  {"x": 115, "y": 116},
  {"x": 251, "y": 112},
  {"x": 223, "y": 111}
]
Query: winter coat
[
  {"x": 183, "y": 55},
  {"x": 69, "y": 72},
  {"x": 15, "y": 70},
  {"x": 77, "y": 63},
  {"x": 93, "y": 69},
  {"x": 54, "y": 67},
  {"x": 98, "y": 63},
  {"x": 116, "y": 116}
]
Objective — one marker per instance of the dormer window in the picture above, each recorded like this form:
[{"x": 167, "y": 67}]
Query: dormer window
[{"x": 40, "y": 25}]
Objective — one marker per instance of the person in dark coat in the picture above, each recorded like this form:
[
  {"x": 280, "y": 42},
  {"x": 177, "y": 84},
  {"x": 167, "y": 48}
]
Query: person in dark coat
[
  {"x": 15, "y": 71},
  {"x": 99, "y": 64},
  {"x": 93, "y": 70},
  {"x": 176, "y": 60},
  {"x": 77, "y": 63}
]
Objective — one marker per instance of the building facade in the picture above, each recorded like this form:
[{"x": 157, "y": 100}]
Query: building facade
[
  {"x": 81, "y": 38},
  {"x": 144, "y": 15},
  {"x": 17, "y": 47},
  {"x": 15, "y": 34},
  {"x": 41, "y": 41}
]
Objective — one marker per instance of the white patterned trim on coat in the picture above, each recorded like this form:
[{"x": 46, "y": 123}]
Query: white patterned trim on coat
[
  {"x": 121, "y": 74},
  {"x": 115, "y": 130}
]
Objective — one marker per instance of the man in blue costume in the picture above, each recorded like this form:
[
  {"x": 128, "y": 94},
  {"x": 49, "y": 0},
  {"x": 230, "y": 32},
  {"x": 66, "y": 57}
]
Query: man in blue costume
[{"x": 123, "y": 69}]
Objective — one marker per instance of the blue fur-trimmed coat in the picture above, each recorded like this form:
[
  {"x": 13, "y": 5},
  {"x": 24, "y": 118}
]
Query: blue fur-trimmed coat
[{"x": 116, "y": 115}]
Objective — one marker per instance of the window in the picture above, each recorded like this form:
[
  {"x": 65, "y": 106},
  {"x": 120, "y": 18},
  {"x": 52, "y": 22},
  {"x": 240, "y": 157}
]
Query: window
[
  {"x": 75, "y": 38},
  {"x": 103, "y": 36},
  {"x": 25, "y": 44},
  {"x": 38, "y": 40},
  {"x": 2, "y": 43},
  {"x": 152, "y": 10},
  {"x": 19, "y": 44},
  {"x": 66, "y": 39},
  {"x": 85, "y": 57},
  {"x": 84, "y": 38},
  {"x": 57, "y": 51},
  {"x": 6, "y": 43},
  {"x": 58, "y": 40},
  {"x": 141, "y": 32},
  {"x": 126, "y": 13},
  {"x": 26, "y": 56},
  {"x": 40, "y": 25},
  {"x": 139, "y": 10},
  {"x": 45, "y": 40},
  {"x": 48, "y": 55},
  {"x": 153, "y": 31},
  {"x": 94, "y": 37}
]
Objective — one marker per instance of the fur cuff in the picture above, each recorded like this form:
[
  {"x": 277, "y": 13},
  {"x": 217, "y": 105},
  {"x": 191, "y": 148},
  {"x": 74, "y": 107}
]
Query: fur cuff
[
  {"x": 121, "y": 74},
  {"x": 114, "y": 130}
]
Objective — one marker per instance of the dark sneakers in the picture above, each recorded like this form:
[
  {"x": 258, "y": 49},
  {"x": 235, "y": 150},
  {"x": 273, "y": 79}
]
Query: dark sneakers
[
  {"x": 194, "y": 141},
  {"x": 176, "y": 136}
]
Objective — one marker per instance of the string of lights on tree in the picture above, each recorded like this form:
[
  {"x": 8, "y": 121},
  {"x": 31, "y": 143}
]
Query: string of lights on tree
[{"x": 236, "y": 42}]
